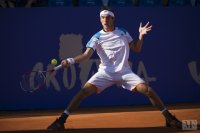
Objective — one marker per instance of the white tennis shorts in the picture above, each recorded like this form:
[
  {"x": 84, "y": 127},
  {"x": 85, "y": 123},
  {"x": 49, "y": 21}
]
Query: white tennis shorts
[{"x": 102, "y": 80}]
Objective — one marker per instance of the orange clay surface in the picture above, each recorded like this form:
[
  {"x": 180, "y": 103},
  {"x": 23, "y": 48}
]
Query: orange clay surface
[{"x": 139, "y": 119}]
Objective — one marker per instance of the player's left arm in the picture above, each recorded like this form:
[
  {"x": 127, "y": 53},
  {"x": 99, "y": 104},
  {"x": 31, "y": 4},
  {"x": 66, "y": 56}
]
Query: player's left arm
[{"x": 137, "y": 46}]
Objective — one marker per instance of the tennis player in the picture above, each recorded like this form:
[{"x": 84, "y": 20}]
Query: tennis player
[{"x": 112, "y": 45}]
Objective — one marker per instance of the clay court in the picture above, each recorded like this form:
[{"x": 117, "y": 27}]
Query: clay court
[{"x": 138, "y": 119}]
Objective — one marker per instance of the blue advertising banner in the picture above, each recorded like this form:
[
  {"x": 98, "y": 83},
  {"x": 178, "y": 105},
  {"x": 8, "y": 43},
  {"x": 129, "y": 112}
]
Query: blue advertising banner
[{"x": 29, "y": 38}]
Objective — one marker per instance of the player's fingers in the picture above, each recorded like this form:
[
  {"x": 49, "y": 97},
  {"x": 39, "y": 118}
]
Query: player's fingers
[
  {"x": 149, "y": 27},
  {"x": 140, "y": 24},
  {"x": 148, "y": 30},
  {"x": 146, "y": 24}
]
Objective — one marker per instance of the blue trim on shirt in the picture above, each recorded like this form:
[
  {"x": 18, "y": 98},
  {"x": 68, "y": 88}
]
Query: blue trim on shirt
[
  {"x": 94, "y": 37},
  {"x": 97, "y": 35}
]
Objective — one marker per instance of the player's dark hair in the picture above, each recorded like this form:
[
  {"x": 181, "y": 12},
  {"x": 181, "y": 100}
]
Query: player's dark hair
[{"x": 105, "y": 8}]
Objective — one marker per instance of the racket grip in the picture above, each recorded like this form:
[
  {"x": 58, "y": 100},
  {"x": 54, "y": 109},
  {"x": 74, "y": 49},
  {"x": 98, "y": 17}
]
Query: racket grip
[{"x": 57, "y": 67}]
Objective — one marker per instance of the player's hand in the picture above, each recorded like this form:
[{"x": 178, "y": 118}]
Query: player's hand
[
  {"x": 143, "y": 30},
  {"x": 65, "y": 63}
]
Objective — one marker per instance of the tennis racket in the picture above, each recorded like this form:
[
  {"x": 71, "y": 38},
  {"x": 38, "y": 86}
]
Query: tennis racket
[{"x": 32, "y": 81}]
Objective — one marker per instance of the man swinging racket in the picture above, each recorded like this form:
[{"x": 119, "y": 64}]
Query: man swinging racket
[{"x": 112, "y": 45}]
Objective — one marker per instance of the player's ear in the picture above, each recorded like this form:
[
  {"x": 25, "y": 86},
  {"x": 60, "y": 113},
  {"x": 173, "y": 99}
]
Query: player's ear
[{"x": 113, "y": 18}]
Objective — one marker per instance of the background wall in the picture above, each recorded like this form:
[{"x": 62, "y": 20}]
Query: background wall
[{"x": 169, "y": 61}]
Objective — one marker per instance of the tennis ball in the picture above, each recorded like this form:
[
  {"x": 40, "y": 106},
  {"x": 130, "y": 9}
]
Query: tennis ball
[{"x": 53, "y": 61}]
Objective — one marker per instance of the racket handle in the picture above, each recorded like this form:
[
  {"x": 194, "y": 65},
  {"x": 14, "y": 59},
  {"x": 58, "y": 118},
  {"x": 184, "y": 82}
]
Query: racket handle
[{"x": 57, "y": 67}]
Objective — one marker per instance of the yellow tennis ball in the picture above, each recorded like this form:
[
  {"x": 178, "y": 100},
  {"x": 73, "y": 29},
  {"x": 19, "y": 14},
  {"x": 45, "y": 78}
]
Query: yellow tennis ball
[{"x": 53, "y": 61}]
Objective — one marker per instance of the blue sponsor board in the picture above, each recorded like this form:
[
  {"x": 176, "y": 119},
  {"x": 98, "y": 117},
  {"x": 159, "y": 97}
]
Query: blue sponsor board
[{"x": 29, "y": 38}]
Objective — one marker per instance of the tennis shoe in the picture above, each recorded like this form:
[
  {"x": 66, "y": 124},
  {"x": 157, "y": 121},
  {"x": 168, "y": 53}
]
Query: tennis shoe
[
  {"x": 58, "y": 124},
  {"x": 174, "y": 123}
]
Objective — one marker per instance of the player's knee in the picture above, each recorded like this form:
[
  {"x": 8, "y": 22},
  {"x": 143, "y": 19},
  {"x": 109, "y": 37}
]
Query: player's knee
[
  {"x": 144, "y": 89},
  {"x": 88, "y": 89}
]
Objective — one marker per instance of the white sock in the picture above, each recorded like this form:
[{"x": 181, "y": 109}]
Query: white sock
[
  {"x": 162, "y": 111},
  {"x": 66, "y": 112}
]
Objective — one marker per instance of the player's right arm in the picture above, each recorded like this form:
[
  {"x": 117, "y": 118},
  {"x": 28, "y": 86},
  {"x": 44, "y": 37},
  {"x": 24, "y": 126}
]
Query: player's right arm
[{"x": 84, "y": 56}]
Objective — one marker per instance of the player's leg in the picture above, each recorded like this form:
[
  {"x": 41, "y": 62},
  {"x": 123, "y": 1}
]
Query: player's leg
[
  {"x": 156, "y": 101},
  {"x": 82, "y": 94},
  {"x": 151, "y": 94},
  {"x": 87, "y": 90},
  {"x": 97, "y": 83}
]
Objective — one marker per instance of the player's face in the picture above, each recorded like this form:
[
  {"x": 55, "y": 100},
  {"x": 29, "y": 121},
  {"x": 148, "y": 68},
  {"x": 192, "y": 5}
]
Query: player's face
[{"x": 107, "y": 22}]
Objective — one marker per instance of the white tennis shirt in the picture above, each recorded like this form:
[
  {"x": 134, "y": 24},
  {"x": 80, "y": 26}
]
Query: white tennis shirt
[{"x": 112, "y": 48}]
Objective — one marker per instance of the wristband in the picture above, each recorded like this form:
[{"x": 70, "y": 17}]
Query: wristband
[{"x": 71, "y": 61}]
